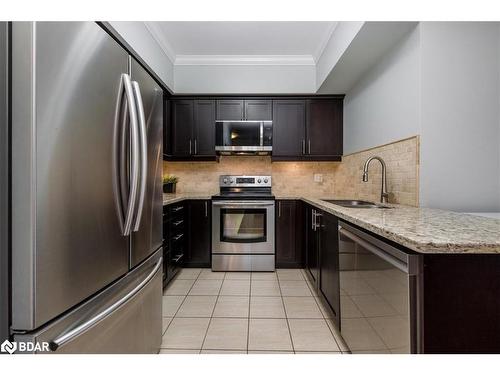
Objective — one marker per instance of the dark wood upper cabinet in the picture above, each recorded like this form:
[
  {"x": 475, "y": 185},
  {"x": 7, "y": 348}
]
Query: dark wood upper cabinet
[
  {"x": 324, "y": 127},
  {"x": 199, "y": 225},
  {"x": 289, "y": 228},
  {"x": 289, "y": 120},
  {"x": 258, "y": 109},
  {"x": 204, "y": 128},
  {"x": 308, "y": 128},
  {"x": 182, "y": 127},
  {"x": 230, "y": 109},
  {"x": 329, "y": 283},
  {"x": 192, "y": 129}
]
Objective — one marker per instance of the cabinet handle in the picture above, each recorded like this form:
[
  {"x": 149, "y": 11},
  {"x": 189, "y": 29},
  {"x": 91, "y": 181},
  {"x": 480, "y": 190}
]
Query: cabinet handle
[
  {"x": 313, "y": 219},
  {"x": 195, "y": 147},
  {"x": 279, "y": 209},
  {"x": 303, "y": 146},
  {"x": 309, "y": 146},
  {"x": 178, "y": 237},
  {"x": 206, "y": 209}
]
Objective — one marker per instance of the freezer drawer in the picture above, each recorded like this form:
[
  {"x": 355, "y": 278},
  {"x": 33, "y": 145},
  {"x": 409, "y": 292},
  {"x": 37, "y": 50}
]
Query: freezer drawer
[{"x": 133, "y": 327}]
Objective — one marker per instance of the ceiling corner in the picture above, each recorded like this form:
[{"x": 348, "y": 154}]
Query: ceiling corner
[{"x": 160, "y": 40}]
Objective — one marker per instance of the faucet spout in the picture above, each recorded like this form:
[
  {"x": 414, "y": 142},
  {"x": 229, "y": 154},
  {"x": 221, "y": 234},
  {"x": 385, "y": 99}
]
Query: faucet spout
[{"x": 383, "y": 194}]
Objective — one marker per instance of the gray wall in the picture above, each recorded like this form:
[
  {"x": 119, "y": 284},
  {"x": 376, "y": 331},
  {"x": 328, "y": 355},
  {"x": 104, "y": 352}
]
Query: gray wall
[
  {"x": 384, "y": 105},
  {"x": 460, "y": 139},
  {"x": 246, "y": 79},
  {"x": 442, "y": 82}
]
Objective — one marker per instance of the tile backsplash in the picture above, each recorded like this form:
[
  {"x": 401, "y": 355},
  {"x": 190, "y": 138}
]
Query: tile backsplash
[
  {"x": 339, "y": 179},
  {"x": 402, "y": 161},
  {"x": 289, "y": 178}
]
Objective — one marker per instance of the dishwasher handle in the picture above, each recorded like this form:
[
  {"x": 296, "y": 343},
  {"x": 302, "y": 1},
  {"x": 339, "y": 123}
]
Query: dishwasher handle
[{"x": 402, "y": 266}]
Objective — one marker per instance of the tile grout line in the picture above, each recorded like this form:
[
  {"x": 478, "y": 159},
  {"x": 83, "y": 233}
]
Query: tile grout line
[
  {"x": 317, "y": 300},
  {"x": 248, "y": 317},
  {"x": 177, "y": 310},
  {"x": 286, "y": 315},
  {"x": 211, "y": 316}
]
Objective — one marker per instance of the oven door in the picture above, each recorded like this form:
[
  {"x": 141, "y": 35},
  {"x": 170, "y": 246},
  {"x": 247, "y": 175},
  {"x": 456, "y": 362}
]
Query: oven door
[
  {"x": 243, "y": 227},
  {"x": 243, "y": 136}
]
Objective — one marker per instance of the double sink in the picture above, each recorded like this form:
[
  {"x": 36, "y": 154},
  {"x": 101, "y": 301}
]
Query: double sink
[{"x": 353, "y": 203}]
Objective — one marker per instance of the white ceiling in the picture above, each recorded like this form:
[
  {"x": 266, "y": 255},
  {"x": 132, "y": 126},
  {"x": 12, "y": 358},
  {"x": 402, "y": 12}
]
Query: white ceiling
[{"x": 250, "y": 39}]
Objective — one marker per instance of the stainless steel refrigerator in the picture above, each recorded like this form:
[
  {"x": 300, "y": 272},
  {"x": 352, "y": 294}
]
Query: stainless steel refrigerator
[{"x": 86, "y": 192}]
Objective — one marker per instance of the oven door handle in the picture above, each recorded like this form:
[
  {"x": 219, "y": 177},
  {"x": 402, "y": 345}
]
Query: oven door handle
[{"x": 237, "y": 204}]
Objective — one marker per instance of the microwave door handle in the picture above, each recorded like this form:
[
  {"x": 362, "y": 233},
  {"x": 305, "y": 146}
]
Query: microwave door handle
[{"x": 261, "y": 133}]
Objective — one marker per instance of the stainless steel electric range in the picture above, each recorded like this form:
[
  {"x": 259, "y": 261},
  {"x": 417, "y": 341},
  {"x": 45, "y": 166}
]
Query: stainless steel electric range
[{"x": 243, "y": 224}]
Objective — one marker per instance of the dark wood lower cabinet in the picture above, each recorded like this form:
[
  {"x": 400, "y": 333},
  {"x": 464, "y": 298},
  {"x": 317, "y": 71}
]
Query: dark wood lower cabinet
[
  {"x": 198, "y": 252},
  {"x": 461, "y": 309},
  {"x": 289, "y": 238},
  {"x": 311, "y": 245},
  {"x": 329, "y": 283}
]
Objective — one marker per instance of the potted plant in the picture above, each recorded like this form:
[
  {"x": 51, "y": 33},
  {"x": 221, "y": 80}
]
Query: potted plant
[{"x": 169, "y": 183}]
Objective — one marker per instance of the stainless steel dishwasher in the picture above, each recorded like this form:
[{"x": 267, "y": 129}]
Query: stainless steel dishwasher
[{"x": 380, "y": 294}]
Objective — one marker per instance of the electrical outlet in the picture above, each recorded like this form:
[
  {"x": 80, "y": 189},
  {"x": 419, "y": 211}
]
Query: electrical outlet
[{"x": 318, "y": 177}]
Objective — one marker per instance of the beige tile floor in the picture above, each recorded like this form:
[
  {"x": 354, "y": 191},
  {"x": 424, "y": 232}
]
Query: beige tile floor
[{"x": 244, "y": 312}]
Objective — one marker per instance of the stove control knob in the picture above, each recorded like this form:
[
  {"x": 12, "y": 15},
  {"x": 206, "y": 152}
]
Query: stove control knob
[
  {"x": 231, "y": 181},
  {"x": 225, "y": 181},
  {"x": 259, "y": 180},
  {"x": 265, "y": 180}
]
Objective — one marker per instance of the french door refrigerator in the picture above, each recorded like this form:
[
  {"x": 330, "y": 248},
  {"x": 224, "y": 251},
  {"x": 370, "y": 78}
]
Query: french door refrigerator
[{"x": 86, "y": 192}]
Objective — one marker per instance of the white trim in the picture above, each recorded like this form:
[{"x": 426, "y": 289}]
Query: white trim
[
  {"x": 328, "y": 35},
  {"x": 159, "y": 38},
  {"x": 307, "y": 60}
]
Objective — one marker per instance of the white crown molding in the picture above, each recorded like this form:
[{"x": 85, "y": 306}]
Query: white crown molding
[
  {"x": 306, "y": 60},
  {"x": 160, "y": 40},
  {"x": 319, "y": 51}
]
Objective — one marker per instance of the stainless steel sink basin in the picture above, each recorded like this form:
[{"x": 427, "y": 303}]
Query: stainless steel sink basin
[{"x": 353, "y": 203}]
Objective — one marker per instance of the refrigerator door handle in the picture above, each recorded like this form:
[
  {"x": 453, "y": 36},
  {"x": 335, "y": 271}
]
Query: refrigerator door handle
[
  {"x": 143, "y": 153},
  {"x": 70, "y": 335},
  {"x": 118, "y": 187},
  {"x": 134, "y": 170}
]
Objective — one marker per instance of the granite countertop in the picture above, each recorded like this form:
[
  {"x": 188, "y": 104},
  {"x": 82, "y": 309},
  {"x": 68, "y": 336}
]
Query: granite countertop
[
  {"x": 174, "y": 198},
  {"x": 423, "y": 230}
]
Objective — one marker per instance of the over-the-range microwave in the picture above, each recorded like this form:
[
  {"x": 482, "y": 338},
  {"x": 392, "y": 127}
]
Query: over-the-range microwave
[{"x": 243, "y": 137}]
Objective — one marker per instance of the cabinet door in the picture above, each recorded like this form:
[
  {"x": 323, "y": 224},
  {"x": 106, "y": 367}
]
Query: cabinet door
[
  {"x": 311, "y": 246},
  {"x": 289, "y": 119},
  {"x": 258, "y": 109},
  {"x": 324, "y": 127},
  {"x": 204, "y": 128},
  {"x": 182, "y": 125},
  {"x": 329, "y": 263},
  {"x": 288, "y": 234},
  {"x": 199, "y": 234},
  {"x": 230, "y": 109}
]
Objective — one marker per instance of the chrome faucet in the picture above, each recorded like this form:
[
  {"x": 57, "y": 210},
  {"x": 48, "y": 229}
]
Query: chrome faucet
[{"x": 383, "y": 195}]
